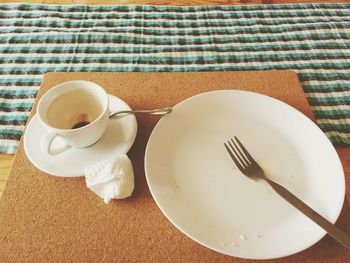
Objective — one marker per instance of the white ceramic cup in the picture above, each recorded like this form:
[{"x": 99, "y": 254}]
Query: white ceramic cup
[{"x": 75, "y": 111}]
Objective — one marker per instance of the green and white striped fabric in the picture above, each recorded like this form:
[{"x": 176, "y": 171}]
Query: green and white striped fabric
[{"x": 311, "y": 39}]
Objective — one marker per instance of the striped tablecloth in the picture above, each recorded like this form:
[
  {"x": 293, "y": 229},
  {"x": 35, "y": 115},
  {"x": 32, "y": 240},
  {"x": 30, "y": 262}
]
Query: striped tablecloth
[{"x": 311, "y": 39}]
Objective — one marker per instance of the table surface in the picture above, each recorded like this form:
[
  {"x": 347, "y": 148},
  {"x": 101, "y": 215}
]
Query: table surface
[
  {"x": 6, "y": 160},
  {"x": 39, "y": 198},
  {"x": 172, "y": 2}
]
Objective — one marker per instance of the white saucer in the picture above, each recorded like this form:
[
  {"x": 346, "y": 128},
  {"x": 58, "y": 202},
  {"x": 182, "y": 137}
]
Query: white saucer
[{"x": 118, "y": 138}]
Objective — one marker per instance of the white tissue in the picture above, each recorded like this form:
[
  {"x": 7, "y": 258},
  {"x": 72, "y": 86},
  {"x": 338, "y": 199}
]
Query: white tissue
[{"x": 111, "y": 178}]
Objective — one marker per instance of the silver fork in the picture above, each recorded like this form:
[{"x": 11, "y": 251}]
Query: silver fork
[{"x": 247, "y": 165}]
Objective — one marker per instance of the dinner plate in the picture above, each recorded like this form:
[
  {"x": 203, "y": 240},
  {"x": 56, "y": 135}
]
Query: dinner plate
[
  {"x": 199, "y": 189},
  {"x": 118, "y": 138}
]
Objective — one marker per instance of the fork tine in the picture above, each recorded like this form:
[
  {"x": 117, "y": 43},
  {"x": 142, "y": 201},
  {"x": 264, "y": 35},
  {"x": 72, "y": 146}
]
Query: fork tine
[
  {"x": 240, "y": 167},
  {"x": 241, "y": 156},
  {"x": 247, "y": 154}
]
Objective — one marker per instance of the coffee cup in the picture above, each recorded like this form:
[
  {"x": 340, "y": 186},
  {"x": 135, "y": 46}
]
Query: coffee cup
[{"x": 74, "y": 111}]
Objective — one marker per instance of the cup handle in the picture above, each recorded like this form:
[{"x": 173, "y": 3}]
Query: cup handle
[{"x": 47, "y": 142}]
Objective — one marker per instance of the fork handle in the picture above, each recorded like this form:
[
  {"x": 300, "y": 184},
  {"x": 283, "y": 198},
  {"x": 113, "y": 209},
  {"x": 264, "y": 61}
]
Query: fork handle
[{"x": 331, "y": 229}]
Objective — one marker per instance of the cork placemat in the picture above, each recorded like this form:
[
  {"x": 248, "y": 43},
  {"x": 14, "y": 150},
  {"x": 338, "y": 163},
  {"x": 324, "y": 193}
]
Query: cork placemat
[{"x": 46, "y": 218}]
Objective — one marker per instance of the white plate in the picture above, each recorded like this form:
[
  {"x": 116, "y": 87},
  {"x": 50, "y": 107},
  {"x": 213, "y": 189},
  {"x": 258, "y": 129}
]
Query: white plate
[
  {"x": 118, "y": 138},
  {"x": 199, "y": 189}
]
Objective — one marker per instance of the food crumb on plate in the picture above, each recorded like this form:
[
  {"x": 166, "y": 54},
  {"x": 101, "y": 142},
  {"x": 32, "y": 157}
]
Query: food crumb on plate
[
  {"x": 176, "y": 184},
  {"x": 243, "y": 237}
]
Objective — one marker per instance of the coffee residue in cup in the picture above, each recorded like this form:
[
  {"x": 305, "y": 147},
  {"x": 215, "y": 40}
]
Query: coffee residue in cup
[
  {"x": 80, "y": 124},
  {"x": 82, "y": 120},
  {"x": 73, "y": 107}
]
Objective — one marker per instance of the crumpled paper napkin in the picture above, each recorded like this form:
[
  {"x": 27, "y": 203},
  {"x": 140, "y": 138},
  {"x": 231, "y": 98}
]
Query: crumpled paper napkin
[{"x": 111, "y": 179}]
